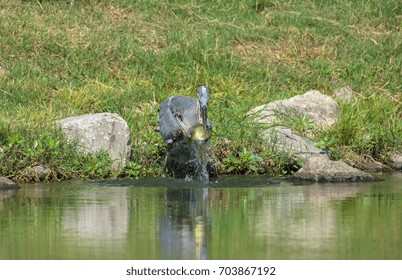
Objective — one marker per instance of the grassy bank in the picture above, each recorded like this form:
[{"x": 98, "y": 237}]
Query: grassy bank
[{"x": 65, "y": 58}]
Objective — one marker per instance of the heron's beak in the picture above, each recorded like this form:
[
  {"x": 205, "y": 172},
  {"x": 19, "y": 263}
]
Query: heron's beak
[{"x": 204, "y": 116}]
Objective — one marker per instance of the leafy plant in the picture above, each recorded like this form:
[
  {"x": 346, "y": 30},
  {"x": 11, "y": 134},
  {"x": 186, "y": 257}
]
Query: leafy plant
[
  {"x": 301, "y": 124},
  {"x": 97, "y": 165},
  {"x": 133, "y": 170},
  {"x": 244, "y": 162},
  {"x": 328, "y": 143}
]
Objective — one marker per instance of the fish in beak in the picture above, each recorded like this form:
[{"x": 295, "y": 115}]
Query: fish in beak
[{"x": 200, "y": 134}]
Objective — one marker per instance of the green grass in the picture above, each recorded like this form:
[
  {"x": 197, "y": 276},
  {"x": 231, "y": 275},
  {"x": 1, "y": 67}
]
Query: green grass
[{"x": 65, "y": 58}]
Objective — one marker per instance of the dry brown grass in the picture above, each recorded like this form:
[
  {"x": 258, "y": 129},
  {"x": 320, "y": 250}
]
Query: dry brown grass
[
  {"x": 288, "y": 50},
  {"x": 149, "y": 34},
  {"x": 3, "y": 70}
]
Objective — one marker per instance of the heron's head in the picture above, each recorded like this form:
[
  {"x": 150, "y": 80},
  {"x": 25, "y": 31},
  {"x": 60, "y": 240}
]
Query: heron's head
[{"x": 203, "y": 98}]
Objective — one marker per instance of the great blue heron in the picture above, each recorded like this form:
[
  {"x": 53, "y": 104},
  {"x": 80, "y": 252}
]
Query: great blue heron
[{"x": 183, "y": 118}]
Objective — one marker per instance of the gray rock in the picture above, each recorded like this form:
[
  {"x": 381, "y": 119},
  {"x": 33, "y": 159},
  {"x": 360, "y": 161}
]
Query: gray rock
[
  {"x": 319, "y": 108},
  {"x": 344, "y": 94},
  {"x": 42, "y": 172},
  {"x": 6, "y": 183},
  {"x": 396, "y": 161},
  {"x": 103, "y": 131},
  {"x": 321, "y": 169},
  {"x": 295, "y": 146}
]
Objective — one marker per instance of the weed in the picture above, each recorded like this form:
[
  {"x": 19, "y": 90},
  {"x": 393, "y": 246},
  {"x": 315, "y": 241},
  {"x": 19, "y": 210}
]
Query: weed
[
  {"x": 300, "y": 124},
  {"x": 243, "y": 162},
  {"x": 97, "y": 165}
]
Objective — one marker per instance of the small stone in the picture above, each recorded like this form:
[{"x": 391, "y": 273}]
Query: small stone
[
  {"x": 6, "y": 183},
  {"x": 42, "y": 172},
  {"x": 396, "y": 161},
  {"x": 370, "y": 165}
]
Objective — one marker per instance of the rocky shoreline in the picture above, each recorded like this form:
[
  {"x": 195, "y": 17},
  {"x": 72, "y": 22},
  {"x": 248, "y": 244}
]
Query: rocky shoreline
[
  {"x": 314, "y": 110},
  {"x": 319, "y": 111}
]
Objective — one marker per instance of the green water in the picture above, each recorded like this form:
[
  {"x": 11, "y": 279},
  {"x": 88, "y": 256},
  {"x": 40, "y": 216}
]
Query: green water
[{"x": 233, "y": 218}]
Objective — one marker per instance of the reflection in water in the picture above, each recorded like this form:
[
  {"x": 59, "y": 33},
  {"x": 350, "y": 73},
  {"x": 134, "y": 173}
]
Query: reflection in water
[
  {"x": 233, "y": 218},
  {"x": 101, "y": 215},
  {"x": 4, "y": 194},
  {"x": 183, "y": 230},
  {"x": 305, "y": 217}
]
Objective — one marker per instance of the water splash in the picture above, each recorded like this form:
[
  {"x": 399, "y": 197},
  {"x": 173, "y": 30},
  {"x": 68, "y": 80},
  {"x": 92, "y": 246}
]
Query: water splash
[{"x": 201, "y": 157}]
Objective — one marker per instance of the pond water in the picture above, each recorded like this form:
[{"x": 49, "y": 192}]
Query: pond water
[{"x": 236, "y": 217}]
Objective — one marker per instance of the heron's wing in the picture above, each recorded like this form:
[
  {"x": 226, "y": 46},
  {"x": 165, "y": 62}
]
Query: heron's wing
[
  {"x": 185, "y": 112},
  {"x": 169, "y": 128},
  {"x": 177, "y": 115}
]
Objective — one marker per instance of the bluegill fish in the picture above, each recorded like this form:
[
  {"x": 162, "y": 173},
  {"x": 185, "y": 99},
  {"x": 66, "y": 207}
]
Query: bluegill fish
[{"x": 200, "y": 134}]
